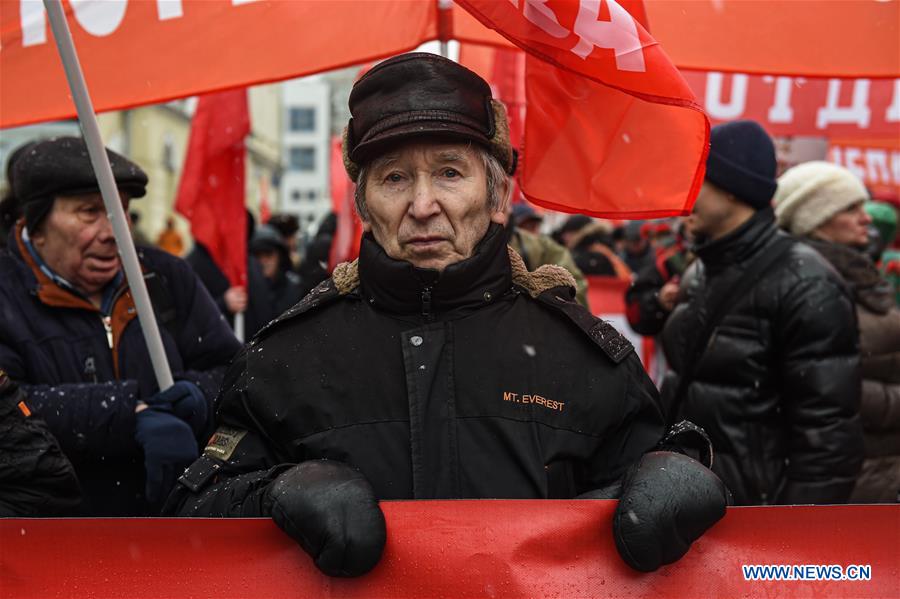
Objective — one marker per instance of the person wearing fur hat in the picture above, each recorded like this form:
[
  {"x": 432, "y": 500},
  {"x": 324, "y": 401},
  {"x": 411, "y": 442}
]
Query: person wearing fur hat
[
  {"x": 70, "y": 338},
  {"x": 762, "y": 345},
  {"x": 436, "y": 365},
  {"x": 825, "y": 204}
]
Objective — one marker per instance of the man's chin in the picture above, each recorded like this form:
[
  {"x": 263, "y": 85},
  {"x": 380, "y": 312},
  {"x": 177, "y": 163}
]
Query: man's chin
[{"x": 96, "y": 281}]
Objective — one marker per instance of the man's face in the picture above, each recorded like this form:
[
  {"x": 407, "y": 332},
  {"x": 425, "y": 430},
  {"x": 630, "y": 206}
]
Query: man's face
[
  {"x": 76, "y": 241},
  {"x": 847, "y": 227},
  {"x": 711, "y": 210},
  {"x": 428, "y": 203}
]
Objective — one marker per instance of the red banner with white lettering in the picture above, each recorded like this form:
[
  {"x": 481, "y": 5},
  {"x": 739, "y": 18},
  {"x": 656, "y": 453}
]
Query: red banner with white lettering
[
  {"x": 612, "y": 128},
  {"x": 800, "y": 105},
  {"x": 499, "y": 549},
  {"x": 137, "y": 52}
]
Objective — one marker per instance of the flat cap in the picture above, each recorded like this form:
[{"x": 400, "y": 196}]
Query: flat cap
[
  {"x": 423, "y": 95},
  {"x": 62, "y": 166}
]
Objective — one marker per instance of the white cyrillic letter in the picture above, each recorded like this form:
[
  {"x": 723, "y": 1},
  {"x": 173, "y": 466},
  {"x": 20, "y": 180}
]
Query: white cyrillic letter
[
  {"x": 857, "y": 113},
  {"x": 851, "y": 161},
  {"x": 877, "y": 166},
  {"x": 99, "y": 18},
  {"x": 895, "y": 167},
  {"x": 169, "y": 9},
  {"x": 734, "y": 108},
  {"x": 33, "y": 19},
  {"x": 239, "y": 2},
  {"x": 893, "y": 112},
  {"x": 781, "y": 111},
  {"x": 618, "y": 34}
]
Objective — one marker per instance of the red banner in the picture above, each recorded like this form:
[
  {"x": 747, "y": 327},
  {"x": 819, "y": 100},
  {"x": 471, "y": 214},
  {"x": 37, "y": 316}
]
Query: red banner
[
  {"x": 137, "y": 52},
  {"x": 500, "y": 549},
  {"x": 612, "y": 129},
  {"x": 810, "y": 38},
  {"x": 802, "y": 106}
]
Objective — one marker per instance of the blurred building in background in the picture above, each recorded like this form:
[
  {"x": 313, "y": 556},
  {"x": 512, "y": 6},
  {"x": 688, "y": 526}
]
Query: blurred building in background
[{"x": 306, "y": 149}]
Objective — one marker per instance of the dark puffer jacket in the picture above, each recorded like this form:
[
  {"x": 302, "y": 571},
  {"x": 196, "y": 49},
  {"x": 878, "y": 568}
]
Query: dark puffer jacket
[
  {"x": 83, "y": 374},
  {"x": 36, "y": 479},
  {"x": 481, "y": 381},
  {"x": 879, "y": 340},
  {"x": 778, "y": 386}
]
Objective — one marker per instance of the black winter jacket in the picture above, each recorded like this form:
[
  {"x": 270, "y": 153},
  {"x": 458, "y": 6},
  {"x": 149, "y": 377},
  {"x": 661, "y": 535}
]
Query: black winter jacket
[
  {"x": 36, "y": 479},
  {"x": 777, "y": 388},
  {"x": 458, "y": 384},
  {"x": 84, "y": 379}
]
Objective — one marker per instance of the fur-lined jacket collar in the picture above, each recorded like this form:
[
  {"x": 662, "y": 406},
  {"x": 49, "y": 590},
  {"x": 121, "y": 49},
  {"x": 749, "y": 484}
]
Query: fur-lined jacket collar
[{"x": 399, "y": 287}]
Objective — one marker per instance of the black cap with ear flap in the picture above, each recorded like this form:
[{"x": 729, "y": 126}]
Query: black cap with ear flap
[{"x": 423, "y": 95}]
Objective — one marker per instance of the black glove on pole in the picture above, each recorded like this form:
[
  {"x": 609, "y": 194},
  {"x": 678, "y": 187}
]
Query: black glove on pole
[
  {"x": 668, "y": 500},
  {"x": 330, "y": 509}
]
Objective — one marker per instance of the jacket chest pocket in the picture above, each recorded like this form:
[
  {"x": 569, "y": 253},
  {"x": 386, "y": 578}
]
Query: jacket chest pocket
[{"x": 738, "y": 347}]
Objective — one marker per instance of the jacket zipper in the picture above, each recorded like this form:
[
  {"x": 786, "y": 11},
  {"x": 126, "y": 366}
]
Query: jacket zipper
[
  {"x": 426, "y": 304},
  {"x": 107, "y": 321}
]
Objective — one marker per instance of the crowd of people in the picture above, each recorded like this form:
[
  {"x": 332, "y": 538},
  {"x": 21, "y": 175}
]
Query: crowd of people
[{"x": 456, "y": 357}]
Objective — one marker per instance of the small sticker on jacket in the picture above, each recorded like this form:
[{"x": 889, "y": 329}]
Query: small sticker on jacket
[{"x": 223, "y": 442}]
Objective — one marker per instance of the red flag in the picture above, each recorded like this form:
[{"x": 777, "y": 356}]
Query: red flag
[
  {"x": 211, "y": 192},
  {"x": 345, "y": 245},
  {"x": 612, "y": 128}
]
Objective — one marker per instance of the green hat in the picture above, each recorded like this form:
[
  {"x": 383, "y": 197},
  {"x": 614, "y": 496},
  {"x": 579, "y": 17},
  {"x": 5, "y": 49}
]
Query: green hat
[{"x": 884, "y": 218}]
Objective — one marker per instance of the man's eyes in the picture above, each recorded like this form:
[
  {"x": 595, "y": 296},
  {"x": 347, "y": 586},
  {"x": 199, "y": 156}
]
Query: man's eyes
[{"x": 446, "y": 173}]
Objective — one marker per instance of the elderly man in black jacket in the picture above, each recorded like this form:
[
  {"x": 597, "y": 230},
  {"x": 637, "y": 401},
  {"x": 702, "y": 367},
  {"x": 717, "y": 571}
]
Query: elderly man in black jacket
[
  {"x": 775, "y": 382},
  {"x": 69, "y": 334},
  {"x": 437, "y": 366}
]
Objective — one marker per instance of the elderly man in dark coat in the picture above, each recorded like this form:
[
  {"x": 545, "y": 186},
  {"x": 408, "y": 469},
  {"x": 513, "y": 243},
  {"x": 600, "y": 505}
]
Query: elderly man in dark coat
[
  {"x": 70, "y": 337},
  {"x": 437, "y": 366}
]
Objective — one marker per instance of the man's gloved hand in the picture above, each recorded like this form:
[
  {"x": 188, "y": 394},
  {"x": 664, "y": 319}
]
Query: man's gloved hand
[
  {"x": 668, "y": 501},
  {"x": 185, "y": 400},
  {"x": 169, "y": 447},
  {"x": 330, "y": 509}
]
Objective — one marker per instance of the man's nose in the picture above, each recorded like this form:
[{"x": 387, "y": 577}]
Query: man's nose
[
  {"x": 106, "y": 229},
  {"x": 424, "y": 203}
]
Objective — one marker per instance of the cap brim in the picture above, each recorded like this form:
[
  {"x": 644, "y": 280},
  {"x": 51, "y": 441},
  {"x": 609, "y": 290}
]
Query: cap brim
[{"x": 378, "y": 144}]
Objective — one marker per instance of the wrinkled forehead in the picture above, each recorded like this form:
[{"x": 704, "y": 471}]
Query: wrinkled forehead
[
  {"x": 64, "y": 200},
  {"x": 430, "y": 151}
]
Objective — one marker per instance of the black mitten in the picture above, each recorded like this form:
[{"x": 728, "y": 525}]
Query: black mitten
[
  {"x": 331, "y": 510},
  {"x": 668, "y": 501}
]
